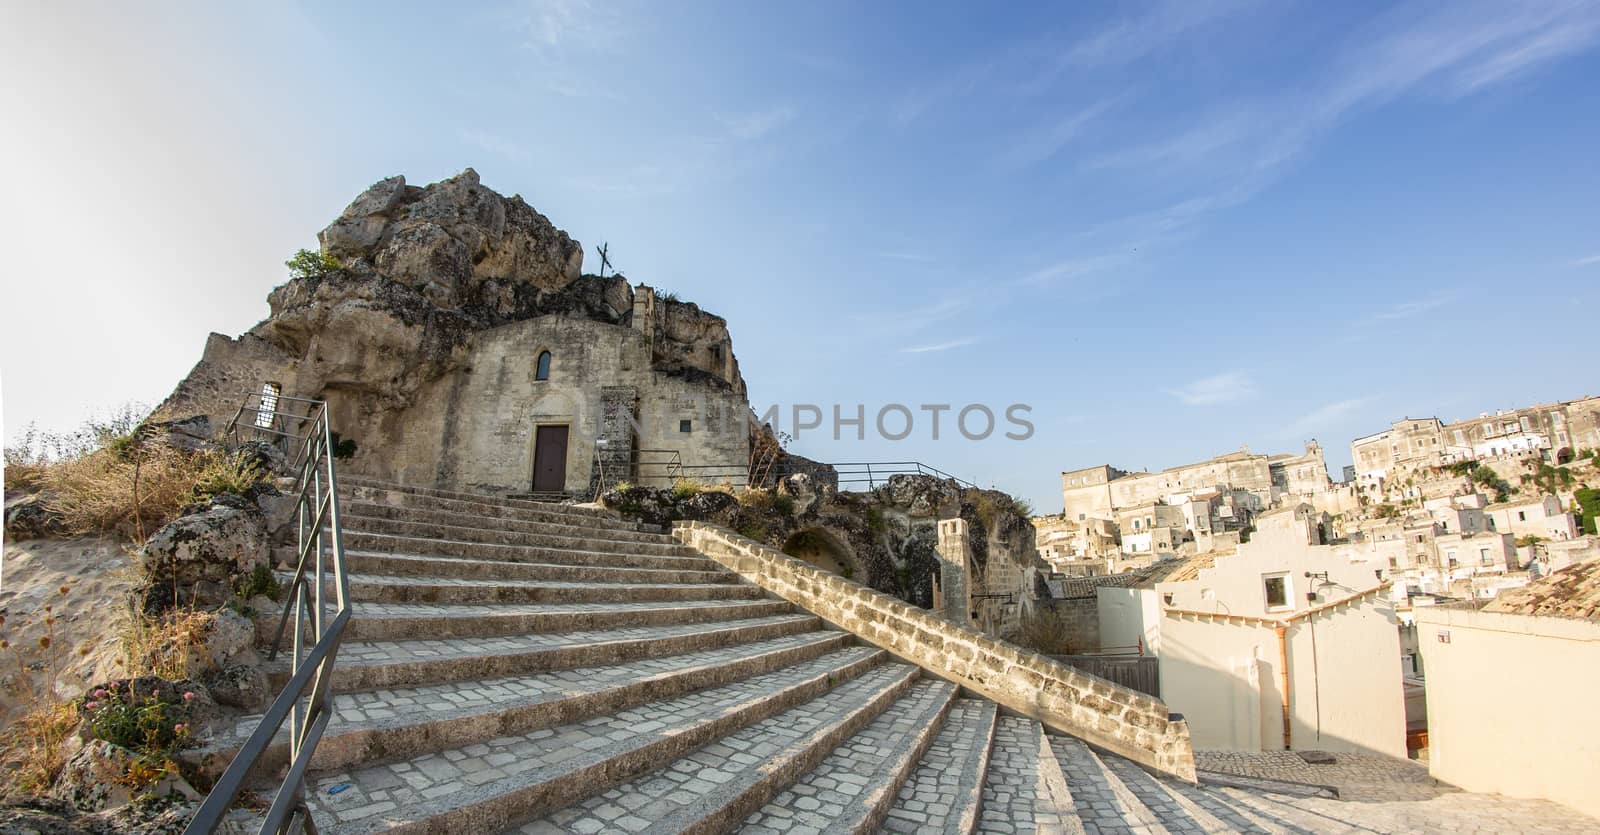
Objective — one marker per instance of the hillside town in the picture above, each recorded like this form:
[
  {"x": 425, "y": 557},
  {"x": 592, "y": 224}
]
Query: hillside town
[
  {"x": 576, "y": 417},
  {"x": 1446, "y": 547}
]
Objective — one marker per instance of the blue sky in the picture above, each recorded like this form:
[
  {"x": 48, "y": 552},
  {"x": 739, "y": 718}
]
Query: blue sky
[{"x": 1170, "y": 228}]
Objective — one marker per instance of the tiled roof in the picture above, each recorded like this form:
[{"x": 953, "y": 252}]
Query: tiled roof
[{"x": 1572, "y": 592}]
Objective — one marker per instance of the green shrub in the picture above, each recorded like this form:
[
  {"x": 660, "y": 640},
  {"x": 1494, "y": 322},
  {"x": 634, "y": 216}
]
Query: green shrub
[
  {"x": 260, "y": 581},
  {"x": 1588, "y": 500},
  {"x": 308, "y": 264}
]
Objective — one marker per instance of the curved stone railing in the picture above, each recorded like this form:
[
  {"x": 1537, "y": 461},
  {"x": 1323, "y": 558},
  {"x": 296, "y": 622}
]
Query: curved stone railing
[{"x": 1122, "y": 721}]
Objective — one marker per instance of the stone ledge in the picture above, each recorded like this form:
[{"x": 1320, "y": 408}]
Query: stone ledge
[{"x": 1117, "y": 719}]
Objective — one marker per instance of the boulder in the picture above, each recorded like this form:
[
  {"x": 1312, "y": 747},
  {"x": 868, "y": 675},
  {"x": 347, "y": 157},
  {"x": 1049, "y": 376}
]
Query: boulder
[
  {"x": 922, "y": 495},
  {"x": 197, "y": 559},
  {"x": 802, "y": 488},
  {"x": 231, "y": 640},
  {"x": 30, "y": 516},
  {"x": 243, "y": 686},
  {"x": 96, "y": 779},
  {"x": 361, "y": 225},
  {"x": 191, "y": 434}
]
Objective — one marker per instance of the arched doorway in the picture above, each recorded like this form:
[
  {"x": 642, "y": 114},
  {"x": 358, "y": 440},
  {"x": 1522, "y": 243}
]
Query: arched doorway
[{"x": 822, "y": 550}]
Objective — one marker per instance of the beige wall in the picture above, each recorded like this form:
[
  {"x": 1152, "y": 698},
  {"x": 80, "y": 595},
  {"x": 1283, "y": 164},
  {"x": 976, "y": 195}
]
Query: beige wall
[
  {"x": 1511, "y": 704},
  {"x": 474, "y": 429},
  {"x": 1128, "y": 616},
  {"x": 1225, "y": 677}
]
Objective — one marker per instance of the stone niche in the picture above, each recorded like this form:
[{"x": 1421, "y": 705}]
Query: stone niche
[{"x": 425, "y": 343}]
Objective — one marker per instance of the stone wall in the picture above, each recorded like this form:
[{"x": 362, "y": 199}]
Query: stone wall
[
  {"x": 1115, "y": 718},
  {"x": 1079, "y": 618}
]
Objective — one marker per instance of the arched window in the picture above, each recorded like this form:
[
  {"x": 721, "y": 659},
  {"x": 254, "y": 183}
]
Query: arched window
[{"x": 542, "y": 371}]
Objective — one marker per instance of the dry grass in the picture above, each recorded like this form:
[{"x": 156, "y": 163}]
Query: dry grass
[
  {"x": 32, "y": 750},
  {"x": 167, "y": 646},
  {"x": 133, "y": 491}
]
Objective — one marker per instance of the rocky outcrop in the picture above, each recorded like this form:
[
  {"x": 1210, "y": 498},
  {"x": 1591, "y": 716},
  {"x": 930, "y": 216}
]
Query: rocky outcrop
[
  {"x": 31, "y": 516},
  {"x": 95, "y": 779},
  {"x": 885, "y": 538},
  {"x": 197, "y": 560}
]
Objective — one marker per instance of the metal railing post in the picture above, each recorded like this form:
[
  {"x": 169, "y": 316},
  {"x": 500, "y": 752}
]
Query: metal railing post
[{"x": 317, "y": 528}]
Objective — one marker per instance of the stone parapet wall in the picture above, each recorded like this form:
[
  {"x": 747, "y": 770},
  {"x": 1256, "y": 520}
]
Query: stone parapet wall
[{"x": 1115, "y": 718}]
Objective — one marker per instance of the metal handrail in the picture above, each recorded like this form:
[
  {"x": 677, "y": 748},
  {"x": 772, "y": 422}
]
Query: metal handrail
[
  {"x": 317, "y": 526},
  {"x": 874, "y": 472}
]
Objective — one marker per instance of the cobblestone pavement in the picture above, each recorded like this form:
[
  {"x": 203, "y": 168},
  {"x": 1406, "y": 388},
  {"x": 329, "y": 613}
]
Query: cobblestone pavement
[
  {"x": 367, "y": 611},
  {"x": 443, "y": 701},
  {"x": 838, "y": 790},
  {"x": 385, "y": 652},
  {"x": 945, "y": 783},
  {"x": 1457, "y": 812},
  {"x": 1380, "y": 794},
  {"x": 1016, "y": 796},
  {"x": 383, "y": 788},
  {"x": 703, "y": 782},
  {"x": 1359, "y": 777}
]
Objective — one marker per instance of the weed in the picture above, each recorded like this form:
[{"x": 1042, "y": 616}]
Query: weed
[
  {"x": 260, "y": 581},
  {"x": 687, "y": 488}
]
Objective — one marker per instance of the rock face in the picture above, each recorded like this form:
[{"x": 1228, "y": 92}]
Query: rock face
[
  {"x": 449, "y": 238},
  {"x": 196, "y": 559},
  {"x": 405, "y": 334},
  {"x": 886, "y": 538}
]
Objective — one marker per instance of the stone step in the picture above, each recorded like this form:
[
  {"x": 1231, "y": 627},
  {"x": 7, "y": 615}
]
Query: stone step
[
  {"x": 389, "y": 664},
  {"x": 592, "y": 541},
  {"x": 714, "y": 788},
  {"x": 410, "y": 621},
  {"x": 487, "y": 506},
  {"x": 1024, "y": 789},
  {"x": 352, "y": 480},
  {"x": 853, "y": 788},
  {"x": 1281, "y": 812},
  {"x": 390, "y": 724},
  {"x": 597, "y": 555},
  {"x": 490, "y": 786},
  {"x": 1177, "y": 810},
  {"x": 945, "y": 792},
  {"x": 405, "y": 565},
  {"x": 1103, "y": 800},
  {"x": 379, "y": 588},
  {"x": 366, "y": 511}
]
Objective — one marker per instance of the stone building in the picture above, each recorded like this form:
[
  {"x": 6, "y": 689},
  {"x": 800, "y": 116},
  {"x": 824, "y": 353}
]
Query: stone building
[
  {"x": 1555, "y": 431},
  {"x": 1102, "y": 492},
  {"x": 458, "y": 344}
]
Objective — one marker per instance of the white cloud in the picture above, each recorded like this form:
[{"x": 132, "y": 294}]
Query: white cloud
[
  {"x": 942, "y": 346},
  {"x": 1221, "y": 388},
  {"x": 1132, "y": 39},
  {"x": 1407, "y": 310},
  {"x": 1318, "y": 419},
  {"x": 1584, "y": 262},
  {"x": 904, "y": 256},
  {"x": 750, "y": 126}
]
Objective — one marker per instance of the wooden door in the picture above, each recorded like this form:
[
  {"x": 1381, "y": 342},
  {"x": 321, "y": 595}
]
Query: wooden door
[{"x": 550, "y": 459}]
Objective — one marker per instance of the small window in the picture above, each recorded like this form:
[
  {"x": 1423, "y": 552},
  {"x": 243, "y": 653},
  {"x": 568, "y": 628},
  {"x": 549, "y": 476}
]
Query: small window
[
  {"x": 1522, "y": 516},
  {"x": 685, "y": 425},
  {"x": 1483, "y": 556},
  {"x": 542, "y": 370},
  {"x": 1276, "y": 587},
  {"x": 269, "y": 404}
]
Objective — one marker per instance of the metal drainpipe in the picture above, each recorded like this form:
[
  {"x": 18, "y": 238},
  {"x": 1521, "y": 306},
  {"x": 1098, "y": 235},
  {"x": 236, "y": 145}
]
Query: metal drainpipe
[{"x": 1283, "y": 674}]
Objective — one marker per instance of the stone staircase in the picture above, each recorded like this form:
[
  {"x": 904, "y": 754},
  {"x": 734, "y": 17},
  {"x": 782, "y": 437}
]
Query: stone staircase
[{"x": 515, "y": 666}]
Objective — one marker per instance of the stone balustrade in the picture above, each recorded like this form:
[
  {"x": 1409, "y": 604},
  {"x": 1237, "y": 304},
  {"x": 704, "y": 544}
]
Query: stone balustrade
[{"x": 1115, "y": 718}]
